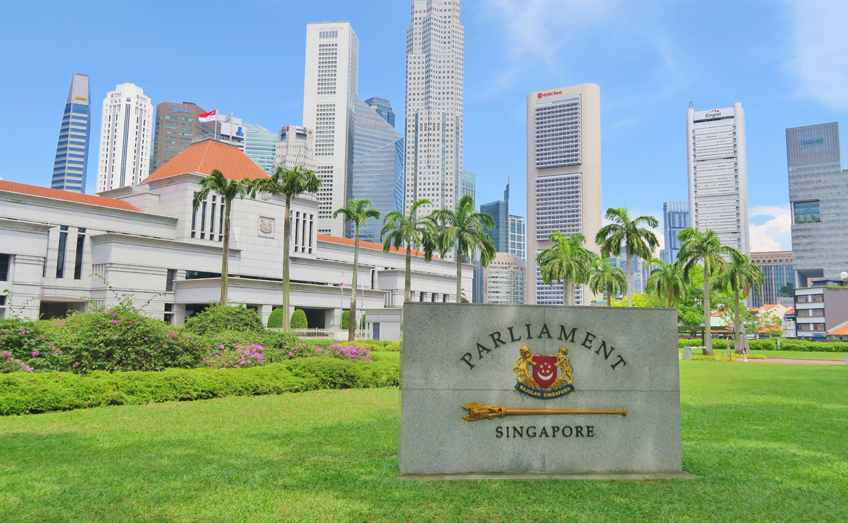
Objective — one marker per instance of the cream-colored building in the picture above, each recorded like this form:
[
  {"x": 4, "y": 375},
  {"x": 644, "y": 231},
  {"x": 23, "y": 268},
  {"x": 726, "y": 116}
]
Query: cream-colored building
[
  {"x": 504, "y": 280},
  {"x": 563, "y": 177}
]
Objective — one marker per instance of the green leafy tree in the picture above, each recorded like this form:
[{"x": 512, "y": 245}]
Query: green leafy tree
[
  {"x": 740, "y": 276},
  {"x": 463, "y": 230},
  {"x": 788, "y": 290},
  {"x": 227, "y": 190},
  {"x": 703, "y": 247},
  {"x": 289, "y": 183},
  {"x": 399, "y": 230},
  {"x": 668, "y": 281},
  {"x": 624, "y": 231},
  {"x": 603, "y": 277},
  {"x": 358, "y": 212},
  {"x": 345, "y": 320},
  {"x": 298, "y": 320},
  {"x": 566, "y": 261}
]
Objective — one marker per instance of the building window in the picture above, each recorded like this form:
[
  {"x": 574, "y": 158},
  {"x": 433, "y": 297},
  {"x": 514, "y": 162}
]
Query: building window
[
  {"x": 79, "y": 255},
  {"x": 63, "y": 246},
  {"x": 807, "y": 212},
  {"x": 5, "y": 261},
  {"x": 169, "y": 280},
  {"x": 169, "y": 313}
]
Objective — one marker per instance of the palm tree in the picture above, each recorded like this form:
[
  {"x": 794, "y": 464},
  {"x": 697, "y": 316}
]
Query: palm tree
[
  {"x": 703, "y": 247},
  {"x": 228, "y": 190},
  {"x": 399, "y": 230},
  {"x": 625, "y": 232},
  {"x": 291, "y": 183},
  {"x": 668, "y": 281},
  {"x": 605, "y": 277},
  {"x": 566, "y": 261},
  {"x": 357, "y": 211},
  {"x": 740, "y": 275},
  {"x": 463, "y": 229}
]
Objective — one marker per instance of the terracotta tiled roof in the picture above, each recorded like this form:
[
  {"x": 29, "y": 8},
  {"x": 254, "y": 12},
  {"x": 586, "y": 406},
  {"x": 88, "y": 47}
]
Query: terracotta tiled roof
[
  {"x": 366, "y": 245},
  {"x": 717, "y": 314},
  {"x": 840, "y": 330},
  {"x": 69, "y": 196},
  {"x": 203, "y": 157},
  {"x": 790, "y": 312}
]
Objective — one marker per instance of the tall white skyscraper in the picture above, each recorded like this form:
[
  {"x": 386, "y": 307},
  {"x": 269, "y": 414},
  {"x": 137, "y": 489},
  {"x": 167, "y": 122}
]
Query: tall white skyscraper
[
  {"x": 434, "y": 79},
  {"x": 126, "y": 132},
  {"x": 329, "y": 92},
  {"x": 718, "y": 175},
  {"x": 563, "y": 177}
]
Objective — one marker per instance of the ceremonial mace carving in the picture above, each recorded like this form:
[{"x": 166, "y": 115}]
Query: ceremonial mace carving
[{"x": 477, "y": 412}]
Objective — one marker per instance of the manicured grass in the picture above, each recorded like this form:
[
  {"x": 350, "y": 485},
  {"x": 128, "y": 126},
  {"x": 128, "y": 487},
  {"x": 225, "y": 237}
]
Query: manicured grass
[
  {"x": 769, "y": 443},
  {"x": 802, "y": 355}
]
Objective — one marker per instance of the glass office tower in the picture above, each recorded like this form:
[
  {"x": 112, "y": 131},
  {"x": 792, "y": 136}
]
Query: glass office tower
[
  {"x": 383, "y": 108},
  {"x": 675, "y": 219},
  {"x": 468, "y": 185},
  {"x": 69, "y": 167},
  {"x": 260, "y": 145},
  {"x": 499, "y": 211},
  {"x": 377, "y": 170},
  {"x": 818, "y": 193}
]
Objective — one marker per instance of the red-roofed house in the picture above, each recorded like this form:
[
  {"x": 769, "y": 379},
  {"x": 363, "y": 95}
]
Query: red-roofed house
[
  {"x": 840, "y": 333},
  {"x": 147, "y": 239}
]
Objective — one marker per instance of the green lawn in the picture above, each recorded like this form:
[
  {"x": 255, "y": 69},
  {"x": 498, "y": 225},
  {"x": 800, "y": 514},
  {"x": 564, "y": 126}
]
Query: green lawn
[
  {"x": 802, "y": 355},
  {"x": 769, "y": 442}
]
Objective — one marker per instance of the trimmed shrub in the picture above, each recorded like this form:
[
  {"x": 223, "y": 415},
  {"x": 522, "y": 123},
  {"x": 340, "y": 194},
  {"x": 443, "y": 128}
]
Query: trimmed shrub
[
  {"x": 362, "y": 322},
  {"x": 217, "y": 318},
  {"x": 275, "y": 320},
  {"x": 298, "y": 320},
  {"x": 771, "y": 344},
  {"x": 722, "y": 357},
  {"x": 24, "y": 393},
  {"x": 345, "y": 320}
]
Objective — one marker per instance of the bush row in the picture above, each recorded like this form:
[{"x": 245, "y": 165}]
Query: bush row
[
  {"x": 771, "y": 344},
  {"x": 27, "y": 393},
  {"x": 722, "y": 357}
]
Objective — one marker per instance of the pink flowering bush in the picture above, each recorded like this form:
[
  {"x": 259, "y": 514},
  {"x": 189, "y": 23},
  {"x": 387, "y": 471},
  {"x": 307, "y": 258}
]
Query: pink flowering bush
[
  {"x": 352, "y": 352},
  {"x": 234, "y": 356}
]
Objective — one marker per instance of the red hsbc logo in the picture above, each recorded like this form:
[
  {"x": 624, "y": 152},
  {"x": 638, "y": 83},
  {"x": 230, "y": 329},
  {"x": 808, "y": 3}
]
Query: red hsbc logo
[{"x": 549, "y": 93}]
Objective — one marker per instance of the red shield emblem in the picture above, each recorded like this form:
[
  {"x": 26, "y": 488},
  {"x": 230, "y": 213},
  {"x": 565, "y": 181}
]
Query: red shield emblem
[{"x": 544, "y": 370}]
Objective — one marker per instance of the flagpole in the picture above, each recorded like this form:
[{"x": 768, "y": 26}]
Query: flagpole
[{"x": 216, "y": 124}]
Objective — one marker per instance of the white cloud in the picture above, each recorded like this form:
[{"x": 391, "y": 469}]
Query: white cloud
[
  {"x": 820, "y": 61},
  {"x": 776, "y": 233}
]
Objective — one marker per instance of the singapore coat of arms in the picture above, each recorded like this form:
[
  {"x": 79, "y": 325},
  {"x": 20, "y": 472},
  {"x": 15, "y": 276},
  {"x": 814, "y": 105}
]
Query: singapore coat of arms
[{"x": 551, "y": 376}]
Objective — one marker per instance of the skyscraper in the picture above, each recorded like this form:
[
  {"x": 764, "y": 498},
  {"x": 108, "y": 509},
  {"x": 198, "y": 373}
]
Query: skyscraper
[
  {"x": 518, "y": 236},
  {"x": 718, "y": 179},
  {"x": 229, "y": 129},
  {"x": 70, "y": 165},
  {"x": 175, "y": 128},
  {"x": 563, "y": 177},
  {"x": 675, "y": 219},
  {"x": 468, "y": 185},
  {"x": 499, "y": 211},
  {"x": 330, "y": 87},
  {"x": 504, "y": 280},
  {"x": 383, "y": 108},
  {"x": 295, "y": 146},
  {"x": 818, "y": 193},
  {"x": 260, "y": 145},
  {"x": 434, "y": 82},
  {"x": 126, "y": 133},
  {"x": 779, "y": 278},
  {"x": 377, "y": 166}
]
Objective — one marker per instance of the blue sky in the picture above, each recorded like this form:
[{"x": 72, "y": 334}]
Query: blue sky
[{"x": 786, "y": 61}]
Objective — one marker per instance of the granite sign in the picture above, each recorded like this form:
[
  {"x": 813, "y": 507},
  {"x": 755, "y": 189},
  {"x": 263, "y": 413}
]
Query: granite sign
[{"x": 495, "y": 389}]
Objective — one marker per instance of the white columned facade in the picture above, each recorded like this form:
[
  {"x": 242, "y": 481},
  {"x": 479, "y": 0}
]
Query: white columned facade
[{"x": 330, "y": 86}]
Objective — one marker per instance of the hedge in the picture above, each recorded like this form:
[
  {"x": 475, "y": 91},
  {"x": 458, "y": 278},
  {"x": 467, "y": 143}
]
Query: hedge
[
  {"x": 275, "y": 319},
  {"x": 30, "y": 393},
  {"x": 298, "y": 320},
  {"x": 771, "y": 344}
]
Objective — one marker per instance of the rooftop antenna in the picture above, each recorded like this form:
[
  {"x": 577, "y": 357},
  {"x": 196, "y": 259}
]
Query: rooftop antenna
[{"x": 691, "y": 103}]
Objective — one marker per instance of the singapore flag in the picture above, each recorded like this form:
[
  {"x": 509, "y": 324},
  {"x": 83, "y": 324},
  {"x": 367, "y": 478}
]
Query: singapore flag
[{"x": 207, "y": 117}]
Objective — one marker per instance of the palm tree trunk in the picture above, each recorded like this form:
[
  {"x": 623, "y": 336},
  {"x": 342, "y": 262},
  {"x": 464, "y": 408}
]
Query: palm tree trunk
[
  {"x": 286, "y": 284},
  {"x": 407, "y": 279},
  {"x": 458, "y": 275},
  {"x": 737, "y": 346},
  {"x": 566, "y": 292},
  {"x": 225, "y": 267},
  {"x": 609, "y": 297},
  {"x": 629, "y": 297},
  {"x": 351, "y": 326},
  {"x": 708, "y": 337}
]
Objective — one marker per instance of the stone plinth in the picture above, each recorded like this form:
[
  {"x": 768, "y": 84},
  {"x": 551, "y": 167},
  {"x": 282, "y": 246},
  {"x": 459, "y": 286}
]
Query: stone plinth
[{"x": 618, "y": 358}]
